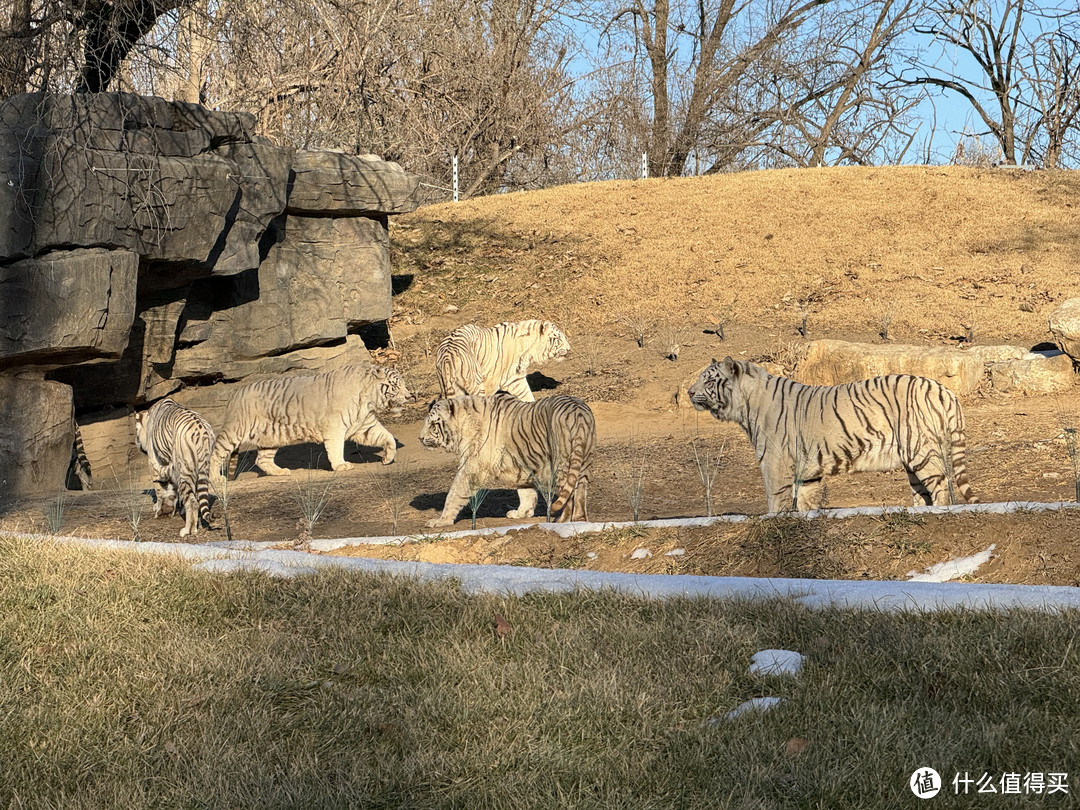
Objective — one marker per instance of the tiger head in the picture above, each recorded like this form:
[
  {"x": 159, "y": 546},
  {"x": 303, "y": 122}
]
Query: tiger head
[
  {"x": 391, "y": 392},
  {"x": 439, "y": 429},
  {"x": 553, "y": 343},
  {"x": 140, "y": 430},
  {"x": 713, "y": 391}
]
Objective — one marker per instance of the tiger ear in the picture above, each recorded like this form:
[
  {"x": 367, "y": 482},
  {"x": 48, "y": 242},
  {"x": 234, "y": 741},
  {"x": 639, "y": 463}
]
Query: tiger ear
[{"x": 729, "y": 366}]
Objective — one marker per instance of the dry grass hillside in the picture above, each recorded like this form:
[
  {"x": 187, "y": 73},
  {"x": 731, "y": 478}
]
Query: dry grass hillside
[{"x": 934, "y": 249}]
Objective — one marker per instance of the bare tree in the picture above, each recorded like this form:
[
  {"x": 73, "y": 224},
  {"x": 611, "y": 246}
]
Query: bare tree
[
  {"x": 850, "y": 113},
  {"x": 1053, "y": 73},
  {"x": 696, "y": 55}
]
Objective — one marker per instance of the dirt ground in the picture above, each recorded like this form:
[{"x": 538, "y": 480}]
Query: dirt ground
[{"x": 928, "y": 267}]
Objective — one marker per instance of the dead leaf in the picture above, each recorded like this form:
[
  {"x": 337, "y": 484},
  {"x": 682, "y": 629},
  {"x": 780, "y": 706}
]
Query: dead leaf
[
  {"x": 795, "y": 746},
  {"x": 502, "y": 627}
]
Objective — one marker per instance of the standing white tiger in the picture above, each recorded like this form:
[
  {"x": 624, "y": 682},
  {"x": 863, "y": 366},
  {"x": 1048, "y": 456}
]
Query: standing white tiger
[
  {"x": 503, "y": 441},
  {"x": 177, "y": 442},
  {"x": 802, "y": 433},
  {"x": 485, "y": 359},
  {"x": 329, "y": 408}
]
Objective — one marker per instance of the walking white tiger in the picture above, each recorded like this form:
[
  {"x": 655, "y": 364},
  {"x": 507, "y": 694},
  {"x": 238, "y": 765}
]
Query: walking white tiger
[
  {"x": 503, "y": 441},
  {"x": 485, "y": 359},
  {"x": 177, "y": 442},
  {"x": 802, "y": 433},
  {"x": 329, "y": 408}
]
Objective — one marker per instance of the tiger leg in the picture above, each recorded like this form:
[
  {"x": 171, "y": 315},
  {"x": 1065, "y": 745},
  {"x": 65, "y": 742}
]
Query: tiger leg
[
  {"x": 578, "y": 506},
  {"x": 809, "y": 495},
  {"x": 456, "y": 499},
  {"x": 191, "y": 510},
  {"x": 334, "y": 442},
  {"x": 778, "y": 492},
  {"x": 376, "y": 435},
  {"x": 920, "y": 495},
  {"x": 526, "y": 504},
  {"x": 164, "y": 499},
  {"x": 519, "y": 387},
  {"x": 264, "y": 460}
]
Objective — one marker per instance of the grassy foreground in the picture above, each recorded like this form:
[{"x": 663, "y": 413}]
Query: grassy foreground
[{"x": 128, "y": 681}]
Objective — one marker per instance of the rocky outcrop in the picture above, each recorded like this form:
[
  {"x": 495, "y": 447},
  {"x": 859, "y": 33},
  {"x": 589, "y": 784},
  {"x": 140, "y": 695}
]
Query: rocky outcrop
[
  {"x": 1064, "y": 324},
  {"x": 149, "y": 246},
  {"x": 1009, "y": 370},
  {"x": 1035, "y": 373},
  {"x": 831, "y": 362}
]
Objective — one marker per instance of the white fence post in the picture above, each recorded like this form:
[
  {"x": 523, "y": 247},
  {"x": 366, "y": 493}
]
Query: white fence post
[
  {"x": 455, "y": 179},
  {"x": 644, "y": 165}
]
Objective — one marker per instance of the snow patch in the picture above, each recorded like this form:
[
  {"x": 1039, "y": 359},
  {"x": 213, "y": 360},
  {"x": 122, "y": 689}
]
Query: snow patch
[
  {"x": 776, "y": 662},
  {"x": 952, "y": 569},
  {"x": 641, "y": 554},
  {"x": 675, "y": 552},
  {"x": 758, "y": 704}
]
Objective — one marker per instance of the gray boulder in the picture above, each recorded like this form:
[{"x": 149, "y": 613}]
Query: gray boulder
[
  {"x": 36, "y": 435},
  {"x": 1065, "y": 326},
  {"x": 67, "y": 306},
  {"x": 1036, "y": 373},
  {"x": 327, "y": 182}
]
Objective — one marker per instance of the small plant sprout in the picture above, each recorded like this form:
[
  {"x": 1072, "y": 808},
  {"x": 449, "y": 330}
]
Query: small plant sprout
[
  {"x": 672, "y": 340},
  {"x": 476, "y": 497},
  {"x": 969, "y": 331},
  {"x": 134, "y": 503},
  {"x": 389, "y": 482},
  {"x": 1070, "y": 432},
  {"x": 803, "y": 328},
  {"x": 54, "y": 514},
  {"x": 546, "y": 480},
  {"x": 312, "y": 495},
  {"x": 886, "y": 321},
  {"x": 708, "y": 465},
  {"x": 637, "y": 323},
  {"x": 631, "y": 473}
]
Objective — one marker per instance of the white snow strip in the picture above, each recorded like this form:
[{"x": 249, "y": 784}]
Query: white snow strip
[
  {"x": 776, "y": 662},
  {"x": 273, "y": 568},
  {"x": 758, "y": 704},
  {"x": 517, "y": 580},
  {"x": 952, "y": 569},
  {"x": 575, "y": 529}
]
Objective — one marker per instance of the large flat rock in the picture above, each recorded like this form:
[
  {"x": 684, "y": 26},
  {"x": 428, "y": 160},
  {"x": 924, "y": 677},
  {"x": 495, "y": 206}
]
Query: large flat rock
[
  {"x": 832, "y": 362},
  {"x": 67, "y": 306},
  {"x": 332, "y": 183}
]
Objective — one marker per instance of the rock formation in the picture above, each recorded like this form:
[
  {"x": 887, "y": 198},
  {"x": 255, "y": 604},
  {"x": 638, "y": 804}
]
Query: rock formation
[{"x": 152, "y": 248}]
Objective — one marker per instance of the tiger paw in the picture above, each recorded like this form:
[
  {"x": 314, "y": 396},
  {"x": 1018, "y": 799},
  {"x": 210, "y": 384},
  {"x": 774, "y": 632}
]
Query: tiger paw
[
  {"x": 345, "y": 465},
  {"x": 436, "y": 522},
  {"x": 515, "y": 514},
  {"x": 278, "y": 471}
]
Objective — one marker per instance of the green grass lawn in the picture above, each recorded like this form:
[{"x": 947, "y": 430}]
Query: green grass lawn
[{"x": 130, "y": 681}]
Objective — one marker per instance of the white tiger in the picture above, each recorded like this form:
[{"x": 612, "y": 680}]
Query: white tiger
[
  {"x": 504, "y": 441},
  {"x": 329, "y": 408},
  {"x": 485, "y": 359},
  {"x": 802, "y": 433},
  {"x": 177, "y": 442}
]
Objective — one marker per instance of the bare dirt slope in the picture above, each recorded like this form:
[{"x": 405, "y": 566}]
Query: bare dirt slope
[{"x": 777, "y": 258}]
